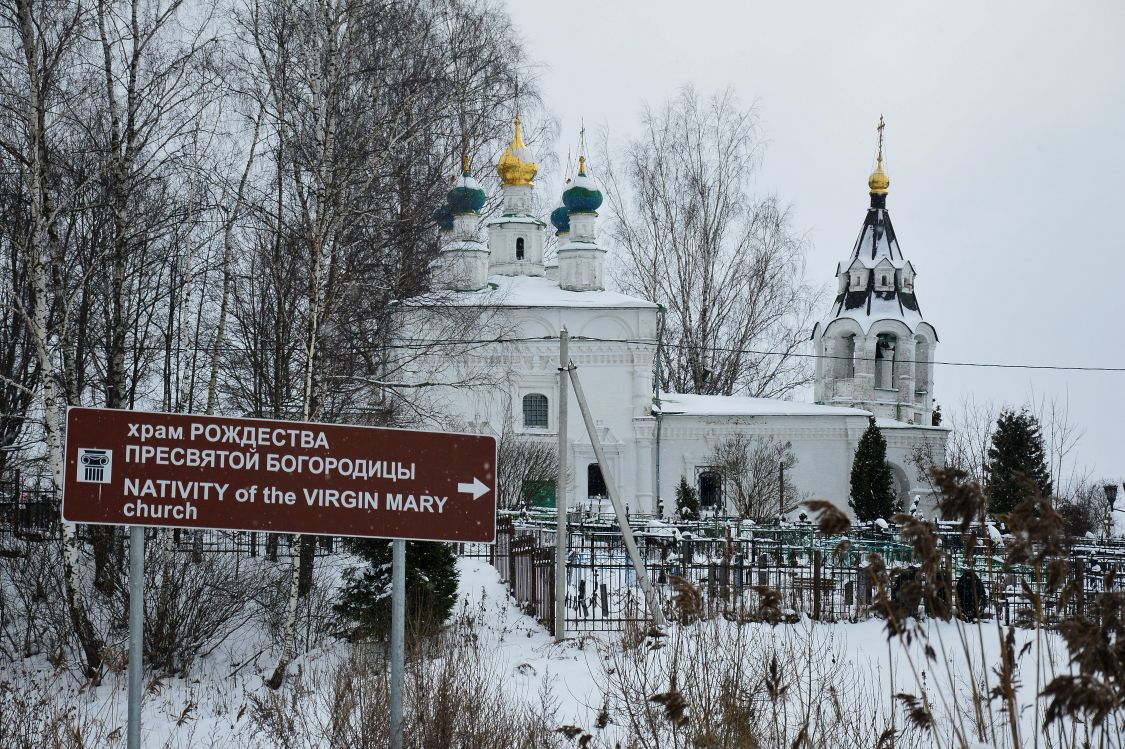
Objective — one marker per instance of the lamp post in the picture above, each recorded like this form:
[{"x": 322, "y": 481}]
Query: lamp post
[{"x": 1110, "y": 498}]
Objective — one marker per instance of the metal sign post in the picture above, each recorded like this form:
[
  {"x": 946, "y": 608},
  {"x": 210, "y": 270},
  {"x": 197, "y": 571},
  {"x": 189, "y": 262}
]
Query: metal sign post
[
  {"x": 398, "y": 638},
  {"x": 136, "y": 631}
]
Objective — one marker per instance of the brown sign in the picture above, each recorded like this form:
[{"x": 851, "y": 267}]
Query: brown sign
[{"x": 186, "y": 471}]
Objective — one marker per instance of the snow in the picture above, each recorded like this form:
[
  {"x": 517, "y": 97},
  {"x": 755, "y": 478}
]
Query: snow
[
  {"x": 881, "y": 309},
  {"x": 580, "y": 244},
  {"x": 514, "y": 218},
  {"x": 866, "y": 261},
  {"x": 680, "y": 404},
  {"x": 884, "y": 423},
  {"x": 214, "y": 705},
  {"x": 462, "y": 245},
  {"x": 532, "y": 291}
]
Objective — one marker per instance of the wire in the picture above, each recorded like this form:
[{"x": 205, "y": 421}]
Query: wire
[{"x": 424, "y": 345}]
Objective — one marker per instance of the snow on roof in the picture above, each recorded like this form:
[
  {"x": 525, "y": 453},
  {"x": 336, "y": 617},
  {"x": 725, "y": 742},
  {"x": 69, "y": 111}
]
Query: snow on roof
[
  {"x": 530, "y": 291},
  {"x": 514, "y": 218},
  {"x": 876, "y": 247},
  {"x": 877, "y": 238},
  {"x": 895, "y": 424},
  {"x": 462, "y": 245},
  {"x": 678, "y": 404},
  {"x": 880, "y": 309}
]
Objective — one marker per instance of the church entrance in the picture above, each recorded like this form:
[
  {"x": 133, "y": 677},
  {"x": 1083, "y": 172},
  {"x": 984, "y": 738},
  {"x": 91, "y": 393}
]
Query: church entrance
[{"x": 710, "y": 491}]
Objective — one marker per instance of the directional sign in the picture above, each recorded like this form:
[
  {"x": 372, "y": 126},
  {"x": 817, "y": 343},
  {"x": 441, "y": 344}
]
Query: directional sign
[{"x": 187, "y": 471}]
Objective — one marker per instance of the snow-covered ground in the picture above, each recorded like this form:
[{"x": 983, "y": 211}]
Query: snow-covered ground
[{"x": 577, "y": 679}]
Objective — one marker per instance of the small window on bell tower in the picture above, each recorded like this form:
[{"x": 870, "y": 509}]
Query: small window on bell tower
[{"x": 519, "y": 248}]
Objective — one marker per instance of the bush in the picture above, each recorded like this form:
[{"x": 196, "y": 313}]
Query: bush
[
  {"x": 687, "y": 500},
  {"x": 872, "y": 483},
  {"x": 1017, "y": 463},
  {"x": 191, "y": 607},
  {"x": 431, "y": 588}
]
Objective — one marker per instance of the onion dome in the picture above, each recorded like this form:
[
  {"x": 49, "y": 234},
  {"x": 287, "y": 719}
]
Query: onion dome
[
  {"x": 517, "y": 165},
  {"x": 467, "y": 196},
  {"x": 560, "y": 219},
  {"x": 443, "y": 217},
  {"x": 878, "y": 183},
  {"x": 583, "y": 196}
]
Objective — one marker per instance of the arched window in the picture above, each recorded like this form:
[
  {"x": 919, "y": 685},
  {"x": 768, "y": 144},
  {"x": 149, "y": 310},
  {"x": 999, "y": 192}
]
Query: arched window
[
  {"x": 535, "y": 411},
  {"x": 710, "y": 490},
  {"x": 921, "y": 365},
  {"x": 845, "y": 364},
  {"x": 595, "y": 482},
  {"x": 885, "y": 361},
  {"x": 519, "y": 248}
]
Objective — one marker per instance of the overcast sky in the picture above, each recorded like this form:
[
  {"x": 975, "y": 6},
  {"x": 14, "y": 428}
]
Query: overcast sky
[{"x": 1005, "y": 144}]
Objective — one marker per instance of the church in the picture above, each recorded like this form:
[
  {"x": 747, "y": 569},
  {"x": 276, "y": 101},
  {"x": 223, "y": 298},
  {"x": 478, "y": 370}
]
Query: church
[{"x": 488, "y": 348}]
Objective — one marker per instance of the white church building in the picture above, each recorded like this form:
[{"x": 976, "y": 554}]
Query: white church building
[{"x": 505, "y": 309}]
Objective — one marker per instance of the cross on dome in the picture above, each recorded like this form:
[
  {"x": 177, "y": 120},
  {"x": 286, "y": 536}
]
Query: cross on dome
[{"x": 879, "y": 182}]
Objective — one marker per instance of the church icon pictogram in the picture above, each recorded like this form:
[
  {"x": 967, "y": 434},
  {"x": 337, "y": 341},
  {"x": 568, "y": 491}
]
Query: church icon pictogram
[{"x": 95, "y": 465}]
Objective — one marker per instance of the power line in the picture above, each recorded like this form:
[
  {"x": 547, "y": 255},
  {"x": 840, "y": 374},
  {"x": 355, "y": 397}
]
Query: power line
[{"x": 426, "y": 345}]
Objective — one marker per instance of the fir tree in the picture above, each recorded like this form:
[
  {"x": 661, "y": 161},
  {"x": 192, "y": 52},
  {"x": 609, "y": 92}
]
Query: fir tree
[
  {"x": 687, "y": 500},
  {"x": 431, "y": 588},
  {"x": 872, "y": 484},
  {"x": 1017, "y": 462}
]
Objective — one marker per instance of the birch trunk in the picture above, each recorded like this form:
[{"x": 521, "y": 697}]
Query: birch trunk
[{"x": 40, "y": 263}]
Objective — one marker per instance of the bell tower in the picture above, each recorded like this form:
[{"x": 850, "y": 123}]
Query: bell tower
[{"x": 874, "y": 349}]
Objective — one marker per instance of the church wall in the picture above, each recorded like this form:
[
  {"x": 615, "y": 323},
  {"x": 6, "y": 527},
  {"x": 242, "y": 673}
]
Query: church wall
[
  {"x": 616, "y": 377},
  {"x": 823, "y": 445}
]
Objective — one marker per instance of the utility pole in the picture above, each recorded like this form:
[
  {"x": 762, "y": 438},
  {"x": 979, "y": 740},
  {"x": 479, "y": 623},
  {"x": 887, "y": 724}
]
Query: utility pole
[
  {"x": 560, "y": 490},
  {"x": 618, "y": 508}
]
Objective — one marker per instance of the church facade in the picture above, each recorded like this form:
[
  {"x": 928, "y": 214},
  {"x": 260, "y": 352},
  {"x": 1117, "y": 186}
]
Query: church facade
[{"x": 490, "y": 333}]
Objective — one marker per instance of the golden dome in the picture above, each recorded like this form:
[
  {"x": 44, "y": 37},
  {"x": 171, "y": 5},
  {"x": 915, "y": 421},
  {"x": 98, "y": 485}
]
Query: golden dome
[
  {"x": 516, "y": 167},
  {"x": 879, "y": 182}
]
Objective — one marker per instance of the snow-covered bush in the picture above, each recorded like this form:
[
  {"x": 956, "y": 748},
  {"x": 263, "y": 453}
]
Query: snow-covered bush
[
  {"x": 33, "y": 615},
  {"x": 192, "y": 606}
]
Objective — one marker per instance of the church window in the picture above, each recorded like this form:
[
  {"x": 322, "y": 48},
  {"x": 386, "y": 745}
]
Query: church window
[
  {"x": 519, "y": 248},
  {"x": 921, "y": 365},
  {"x": 595, "y": 482},
  {"x": 535, "y": 411},
  {"x": 884, "y": 280},
  {"x": 710, "y": 490},
  {"x": 885, "y": 361},
  {"x": 845, "y": 363}
]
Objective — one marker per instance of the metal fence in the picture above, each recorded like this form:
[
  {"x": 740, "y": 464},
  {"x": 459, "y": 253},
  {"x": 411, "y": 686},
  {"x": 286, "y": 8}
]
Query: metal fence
[
  {"x": 729, "y": 562},
  {"x": 765, "y": 572}
]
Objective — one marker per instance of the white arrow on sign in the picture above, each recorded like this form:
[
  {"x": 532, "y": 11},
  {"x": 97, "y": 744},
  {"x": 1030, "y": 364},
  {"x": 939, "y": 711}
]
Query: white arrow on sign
[{"x": 478, "y": 488}]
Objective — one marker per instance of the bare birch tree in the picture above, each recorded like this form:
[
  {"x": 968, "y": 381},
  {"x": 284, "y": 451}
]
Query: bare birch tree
[
  {"x": 39, "y": 48},
  {"x": 728, "y": 267}
]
